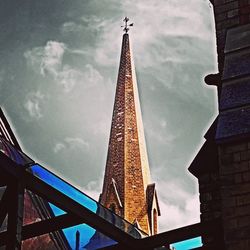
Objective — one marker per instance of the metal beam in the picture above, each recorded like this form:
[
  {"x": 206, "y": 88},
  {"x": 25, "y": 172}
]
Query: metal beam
[
  {"x": 46, "y": 226},
  {"x": 4, "y": 205},
  {"x": 176, "y": 235},
  {"x": 69, "y": 205},
  {"x": 50, "y": 225},
  {"x": 179, "y": 234},
  {"x": 172, "y": 236},
  {"x": 9, "y": 168},
  {"x": 15, "y": 216},
  {"x": 4, "y": 179}
]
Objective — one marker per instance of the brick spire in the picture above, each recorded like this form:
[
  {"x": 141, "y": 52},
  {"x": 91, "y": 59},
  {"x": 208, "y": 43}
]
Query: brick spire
[{"x": 126, "y": 188}]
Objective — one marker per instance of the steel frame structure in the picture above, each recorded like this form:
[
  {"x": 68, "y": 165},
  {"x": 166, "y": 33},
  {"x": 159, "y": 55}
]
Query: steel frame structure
[{"x": 16, "y": 179}]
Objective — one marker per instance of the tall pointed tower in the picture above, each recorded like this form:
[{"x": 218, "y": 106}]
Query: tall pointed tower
[{"x": 127, "y": 188}]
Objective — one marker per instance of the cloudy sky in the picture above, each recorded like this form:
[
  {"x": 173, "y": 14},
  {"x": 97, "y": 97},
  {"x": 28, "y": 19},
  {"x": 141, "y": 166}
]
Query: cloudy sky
[{"x": 59, "y": 62}]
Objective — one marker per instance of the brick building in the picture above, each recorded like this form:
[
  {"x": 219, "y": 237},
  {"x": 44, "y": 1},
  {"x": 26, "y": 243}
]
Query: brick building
[
  {"x": 222, "y": 165},
  {"x": 127, "y": 188}
]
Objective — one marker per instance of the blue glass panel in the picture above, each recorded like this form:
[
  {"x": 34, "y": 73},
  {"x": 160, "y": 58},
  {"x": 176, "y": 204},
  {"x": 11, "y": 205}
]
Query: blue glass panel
[
  {"x": 88, "y": 203},
  {"x": 89, "y": 237},
  {"x": 56, "y": 210},
  {"x": 14, "y": 154},
  {"x": 187, "y": 244},
  {"x": 64, "y": 187}
]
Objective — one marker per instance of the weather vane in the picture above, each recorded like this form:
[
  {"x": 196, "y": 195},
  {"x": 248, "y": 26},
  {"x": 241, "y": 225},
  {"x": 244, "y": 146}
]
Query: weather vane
[{"x": 126, "y": 29}]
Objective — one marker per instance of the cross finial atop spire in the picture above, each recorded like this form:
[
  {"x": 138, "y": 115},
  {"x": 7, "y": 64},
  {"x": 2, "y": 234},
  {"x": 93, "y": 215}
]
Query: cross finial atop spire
[{"x": 126, "y": 29}]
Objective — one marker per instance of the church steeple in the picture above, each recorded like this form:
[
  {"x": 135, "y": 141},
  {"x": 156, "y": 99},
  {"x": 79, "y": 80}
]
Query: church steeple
[{"x": 126, "y": 188}]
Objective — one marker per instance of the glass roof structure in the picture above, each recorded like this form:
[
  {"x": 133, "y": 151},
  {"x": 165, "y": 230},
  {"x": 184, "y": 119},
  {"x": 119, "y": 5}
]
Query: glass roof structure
[
  {"x": 89, "y": 234},
  {"x": 90, "y": 238},
  {"x": 77, "y": 214}
]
